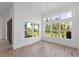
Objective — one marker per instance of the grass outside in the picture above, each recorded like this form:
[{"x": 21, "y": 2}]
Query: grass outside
[
  {"x": 29, "y": 33},
  {"x": 35, "y": 34},
  {"x": 55, "y": 35}
]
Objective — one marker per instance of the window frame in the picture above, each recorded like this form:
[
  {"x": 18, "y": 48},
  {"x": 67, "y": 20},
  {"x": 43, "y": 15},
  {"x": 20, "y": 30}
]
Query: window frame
[
  {"x": 55, "y": 21},
  {"x": 32, "y": 29}
]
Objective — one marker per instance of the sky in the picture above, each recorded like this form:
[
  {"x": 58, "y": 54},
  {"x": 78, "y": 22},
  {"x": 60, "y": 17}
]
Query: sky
[{"x": 30, "y": 26}]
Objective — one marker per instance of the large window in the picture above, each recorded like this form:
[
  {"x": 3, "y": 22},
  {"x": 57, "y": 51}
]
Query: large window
[
  {"x": 31, "y": 30},
  {"x": 59, "y": 26}
]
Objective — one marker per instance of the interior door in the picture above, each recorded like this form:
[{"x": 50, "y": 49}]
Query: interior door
[{"x": 9, "y": 31}]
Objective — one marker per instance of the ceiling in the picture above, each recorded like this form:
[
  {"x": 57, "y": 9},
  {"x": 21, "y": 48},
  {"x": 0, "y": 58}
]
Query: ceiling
[
  {"x": 43, "y": 7},
  {"x": 40, "y": 7}
]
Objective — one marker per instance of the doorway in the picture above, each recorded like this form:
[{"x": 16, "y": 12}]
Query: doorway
[{"x": 9, "y": 31}]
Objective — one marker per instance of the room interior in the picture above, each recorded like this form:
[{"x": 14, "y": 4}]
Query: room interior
[{"x": 45, "y": 29}]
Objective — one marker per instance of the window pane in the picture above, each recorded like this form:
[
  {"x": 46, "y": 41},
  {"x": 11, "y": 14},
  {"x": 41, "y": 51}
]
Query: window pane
[
  {"x": 69, "y": 26},
  {"x": 62, "y": 30},
  {"x": 59, "y": 29},
  {"x": 47, "y": 30},
  {"x": 28, "y": 30},
  {"x": 35, "y": 30},
  {"x": 64, "y": 16},
  {"x": 55, "y": 17},
  {"x": 55, "y": 30},
  {"x": 65, "y": 29}
]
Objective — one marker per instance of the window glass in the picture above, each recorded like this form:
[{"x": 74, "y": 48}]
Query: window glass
[
  {"x": 47, "y": 30},
  {"x": 55, "y": 17},
  {"x": 65, "y": 15},
  {"x": 62, "y": 16},
  {"x": 59, "y": 29},
  {"x": 36, "y": 30},
  {"x": 55, "y": 30},
  {"x": 28, "y": 30},
  {"x": 31, "y": 30}
]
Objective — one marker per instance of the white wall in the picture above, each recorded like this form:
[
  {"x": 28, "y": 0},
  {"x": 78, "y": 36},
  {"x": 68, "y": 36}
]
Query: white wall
[
  {"x": 21, "y": 13},
  {"x": 74, "y": 41},
  {"x": 3, "y": 21},
  {"x": 0, "y": 27},
  {"x": 78, "y": 28},
  {"x": 8, "y": 16}
]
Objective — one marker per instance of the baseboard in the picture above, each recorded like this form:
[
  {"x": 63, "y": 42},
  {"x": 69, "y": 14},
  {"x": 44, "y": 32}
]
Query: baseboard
[
  {"x": 2, "y": 39},
  {"x": 26, "y": 45},
  {"x": 60, "y": 44},
  {"x": 39, "y": 41}
]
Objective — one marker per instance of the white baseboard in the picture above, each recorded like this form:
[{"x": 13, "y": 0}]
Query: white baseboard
[
  {"x": 2, "y": 39},
  {"x": 22, "y": 45}
]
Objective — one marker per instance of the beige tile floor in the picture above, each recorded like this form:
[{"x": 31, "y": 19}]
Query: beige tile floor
[{"x": 39, "y": 49}]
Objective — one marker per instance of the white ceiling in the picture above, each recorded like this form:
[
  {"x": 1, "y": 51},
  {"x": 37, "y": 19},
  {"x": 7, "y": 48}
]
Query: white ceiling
[
  {"x": 40, "y": 7},
  {"x": 43, "y": 7}
]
